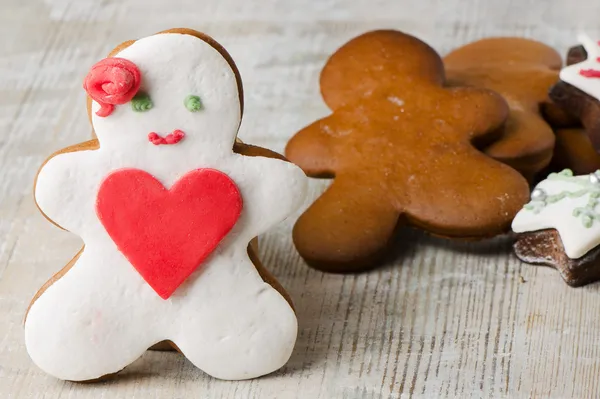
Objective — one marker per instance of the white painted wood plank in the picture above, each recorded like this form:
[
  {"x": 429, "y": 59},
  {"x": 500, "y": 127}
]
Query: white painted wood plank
[{"x": 439, "y": 320}]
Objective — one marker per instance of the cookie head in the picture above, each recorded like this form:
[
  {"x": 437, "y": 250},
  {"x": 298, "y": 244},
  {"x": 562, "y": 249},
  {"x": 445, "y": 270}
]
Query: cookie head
[
  {"x": 506, "y": 50},
  {"x": 369, "y": 63},
  {"x": 169, "y": 90}
]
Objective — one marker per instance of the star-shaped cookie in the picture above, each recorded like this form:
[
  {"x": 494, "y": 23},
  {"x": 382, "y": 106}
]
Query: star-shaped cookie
[{"x": 560, "y": 226}]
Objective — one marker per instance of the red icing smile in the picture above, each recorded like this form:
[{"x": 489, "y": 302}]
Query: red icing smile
[{"x": 171, "y": 138}]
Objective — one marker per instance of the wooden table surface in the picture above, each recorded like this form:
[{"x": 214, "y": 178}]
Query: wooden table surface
[{"x": 439, "y": 319}]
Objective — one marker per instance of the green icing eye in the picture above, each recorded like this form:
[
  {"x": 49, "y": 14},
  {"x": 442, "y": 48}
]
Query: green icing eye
[
  {"x": 141, "y": 102},
  {"x": 193, "y": 103}
]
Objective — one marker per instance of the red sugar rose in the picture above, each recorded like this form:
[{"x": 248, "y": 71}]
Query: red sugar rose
[{"x": 112, "y": 81}]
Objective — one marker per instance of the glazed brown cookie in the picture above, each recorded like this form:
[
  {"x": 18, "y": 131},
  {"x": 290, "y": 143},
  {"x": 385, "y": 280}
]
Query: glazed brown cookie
[
  {"x": 576, "y": 54},
  {"x": 557, "y": 117},
  {"x": 582, "y": 106},
  {"x": 578, "y": 92},
  {"x": 574, "y": 151},
  {"x": 553, "y": 113},
  {"x": 399, "y": 145},
  {"x": 522, "y": 71}
]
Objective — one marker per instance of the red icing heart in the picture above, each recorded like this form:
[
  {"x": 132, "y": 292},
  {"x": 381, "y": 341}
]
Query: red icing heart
[{"x": 167, "y": 234}]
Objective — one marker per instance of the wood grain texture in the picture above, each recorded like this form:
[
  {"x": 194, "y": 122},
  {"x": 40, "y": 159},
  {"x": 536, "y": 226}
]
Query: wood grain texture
[{"x": 439, "y": 320}]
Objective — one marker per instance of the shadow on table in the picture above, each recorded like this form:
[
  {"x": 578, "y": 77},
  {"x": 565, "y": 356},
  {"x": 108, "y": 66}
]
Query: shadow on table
[
  {"x": 408, "y": 237},
  {"x": 320, "y": 338}
]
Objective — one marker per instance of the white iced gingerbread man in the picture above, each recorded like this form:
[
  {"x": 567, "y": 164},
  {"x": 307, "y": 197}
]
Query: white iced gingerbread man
[{"x": 166, "y": 210}]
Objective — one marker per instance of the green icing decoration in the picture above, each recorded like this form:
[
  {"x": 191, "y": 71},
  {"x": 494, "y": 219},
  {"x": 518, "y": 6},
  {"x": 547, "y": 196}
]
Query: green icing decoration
[
  {"x": 141, "y": 102},
  {"x": 587, "y": 213},
  {"x": 564, "y": 172},
  {"x": 193, "y": 103}
]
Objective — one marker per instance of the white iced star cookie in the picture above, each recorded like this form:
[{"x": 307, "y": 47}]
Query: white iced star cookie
[
  {"x": 570, "y": 205},
  {"x": 166, "y": 210}
]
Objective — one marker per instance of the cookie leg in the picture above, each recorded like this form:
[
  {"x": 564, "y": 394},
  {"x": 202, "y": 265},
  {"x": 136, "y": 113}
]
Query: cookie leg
[
  {"x": 244, "y": 330},
  {"x": 346, "y": 230},
  {"x": 83, "y": 327}
]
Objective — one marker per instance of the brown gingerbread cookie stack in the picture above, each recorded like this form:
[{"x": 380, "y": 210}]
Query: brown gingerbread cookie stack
[
  {"x": 399, "y": 145},
  {"x": 522, "y": 71}
]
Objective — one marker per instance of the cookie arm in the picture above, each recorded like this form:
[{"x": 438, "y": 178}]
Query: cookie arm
[
  {"x": 475, "y": 198},
  {"x": 271, "y": 190},
  {"x": 311, "y": 149},
  {"x": 59, "y": 181},
  {"x": 250, "y": 150},
  {"x": 480, "y": 112}
]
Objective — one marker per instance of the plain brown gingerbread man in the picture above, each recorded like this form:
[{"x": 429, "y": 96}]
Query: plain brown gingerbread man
[
  {"x": 522, "y": 71},
  {"x": 399, "y": 145}
]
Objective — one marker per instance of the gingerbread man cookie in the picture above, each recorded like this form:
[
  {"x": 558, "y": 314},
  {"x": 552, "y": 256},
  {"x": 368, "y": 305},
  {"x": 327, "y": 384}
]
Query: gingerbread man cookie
[
  {"x": 166, "y": 210},
  {"x": 522, "y": 71},
  {"x": 399, "y": 144}
]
